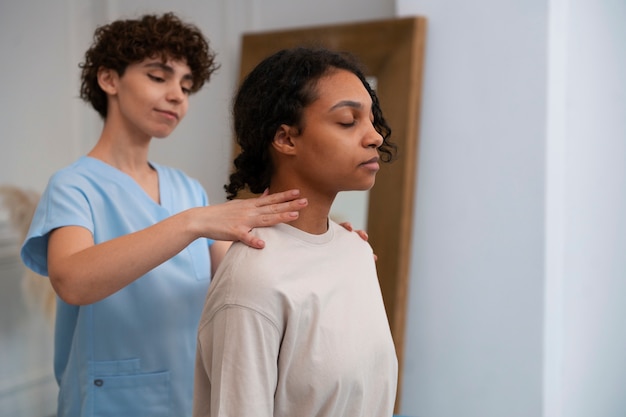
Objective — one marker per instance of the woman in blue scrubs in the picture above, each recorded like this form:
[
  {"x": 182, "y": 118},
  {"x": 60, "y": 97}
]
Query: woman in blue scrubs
[{"x": 129, "y": 245}]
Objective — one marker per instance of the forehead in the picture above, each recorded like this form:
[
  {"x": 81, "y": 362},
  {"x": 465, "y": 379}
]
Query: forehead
[
  {"x": 166, "y": 63},
  {"x": 341, "y": 85}
]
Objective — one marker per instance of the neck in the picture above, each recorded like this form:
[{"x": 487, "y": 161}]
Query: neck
[
  {"x": 313, "y": 218},
  {"x": 122, "y": 151}
]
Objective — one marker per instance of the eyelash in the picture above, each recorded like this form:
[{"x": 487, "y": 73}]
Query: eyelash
[{"x": 186, "y": 91}]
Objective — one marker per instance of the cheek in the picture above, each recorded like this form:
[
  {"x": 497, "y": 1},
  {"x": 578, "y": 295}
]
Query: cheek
[
  {"x": 138, "y": 101},
  {"x": 326, "y": 157},
  {"x": 183, "y": 108}
]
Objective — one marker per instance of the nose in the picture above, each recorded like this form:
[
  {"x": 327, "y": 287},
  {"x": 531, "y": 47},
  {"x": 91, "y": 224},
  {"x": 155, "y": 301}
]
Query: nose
[
  {"x": 373, "y": 138},
  {"x": 175, "y": 93}
]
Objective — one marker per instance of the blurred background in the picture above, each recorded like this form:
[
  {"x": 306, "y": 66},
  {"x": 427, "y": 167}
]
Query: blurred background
[{"x": 518, "y": 273}]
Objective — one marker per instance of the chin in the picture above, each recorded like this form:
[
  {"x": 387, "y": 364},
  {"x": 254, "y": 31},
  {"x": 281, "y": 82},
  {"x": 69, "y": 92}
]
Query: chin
[
  {"x": 161, "y": 135},
  {"x": 364, "y": 187}
]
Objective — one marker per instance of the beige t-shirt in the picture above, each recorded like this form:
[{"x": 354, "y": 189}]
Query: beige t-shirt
[{"x": 296, "y": 329}]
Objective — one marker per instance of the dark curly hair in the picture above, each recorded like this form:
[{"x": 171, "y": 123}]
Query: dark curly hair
[
  {"x": 124, "y": 42},
  {"x": 276, "y": 92}
]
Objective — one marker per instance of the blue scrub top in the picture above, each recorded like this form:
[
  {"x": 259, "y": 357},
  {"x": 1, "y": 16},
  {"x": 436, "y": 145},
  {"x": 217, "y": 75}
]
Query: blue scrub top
[{"x": 133, "y": 353}]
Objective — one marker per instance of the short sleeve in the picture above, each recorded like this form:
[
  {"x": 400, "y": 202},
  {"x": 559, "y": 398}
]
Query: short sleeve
[
  {"x": 237, "y": 364},
  {"x": 61, "y": 204}
]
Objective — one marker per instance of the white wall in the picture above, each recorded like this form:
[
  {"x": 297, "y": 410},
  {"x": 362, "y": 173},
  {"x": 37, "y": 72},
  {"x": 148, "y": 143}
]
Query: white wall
[
  {"x": 594, "y": 222},
  {"x": 35, "y": 120},
  {"x": 474, "y": 342},
  {"x": 517, "y": 280}
]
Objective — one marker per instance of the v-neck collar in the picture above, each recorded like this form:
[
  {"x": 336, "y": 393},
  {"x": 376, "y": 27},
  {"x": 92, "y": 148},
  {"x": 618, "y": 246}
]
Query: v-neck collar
[{"x": 125, "y": 180}]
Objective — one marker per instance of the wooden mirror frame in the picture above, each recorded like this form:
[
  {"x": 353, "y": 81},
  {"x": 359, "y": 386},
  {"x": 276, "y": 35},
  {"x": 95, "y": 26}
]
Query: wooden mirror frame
[{"x": 393, "y": 52}]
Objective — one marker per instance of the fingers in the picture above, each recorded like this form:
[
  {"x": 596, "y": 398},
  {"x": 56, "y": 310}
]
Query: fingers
[
  {"x": 264, "y": 220},
  {"x": 289, "y": 207},
  {"x": 279, "y": 207},
  {"x": 363, "y": 234},
  {"x": 251, "y": 240},
  {"x": 347, "y": 226},
  {"x": 282, "y": 197}
]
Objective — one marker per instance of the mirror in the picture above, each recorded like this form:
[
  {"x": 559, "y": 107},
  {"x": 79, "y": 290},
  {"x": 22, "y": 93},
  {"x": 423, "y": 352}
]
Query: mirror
[{"x": 393, "y": 52}]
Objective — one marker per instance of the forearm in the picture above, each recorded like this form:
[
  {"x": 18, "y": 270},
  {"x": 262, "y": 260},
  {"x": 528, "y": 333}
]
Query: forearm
[{"x": 83, "y": 273}]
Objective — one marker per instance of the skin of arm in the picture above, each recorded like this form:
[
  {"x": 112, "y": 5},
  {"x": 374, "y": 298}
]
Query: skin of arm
[
  {"x": 217, "y": 252},
  {"x": 82, "y": 272}
]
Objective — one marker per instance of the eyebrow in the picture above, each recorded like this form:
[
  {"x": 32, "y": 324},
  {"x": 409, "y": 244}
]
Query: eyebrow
[
  {"x": 166, "y": 68},
  {"x": 347, "y": 103}
]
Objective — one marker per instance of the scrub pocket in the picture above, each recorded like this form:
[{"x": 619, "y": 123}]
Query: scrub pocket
[{"x": 118, "y": 392}]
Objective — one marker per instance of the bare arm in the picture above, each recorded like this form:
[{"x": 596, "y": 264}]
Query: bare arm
[
  {"x": 82, "y": 272},
  {"x": 218, "y": 250}
]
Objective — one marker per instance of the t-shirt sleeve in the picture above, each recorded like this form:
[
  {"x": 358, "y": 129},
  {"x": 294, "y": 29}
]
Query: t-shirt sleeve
[
  {"x": 236, "y": 368},
  {"x": 61, "y": 204}
]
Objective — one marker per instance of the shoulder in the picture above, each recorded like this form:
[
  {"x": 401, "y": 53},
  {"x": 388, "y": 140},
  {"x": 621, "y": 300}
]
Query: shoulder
[
  {"x": 76, "y": 172},
  {"x": 86, "y": 174},
  {"x": 74, "y": 182},
  {"x": 352, "y": 239},
  {"x": 249, "y": 267},
  {"x": 247, "y": 275}
]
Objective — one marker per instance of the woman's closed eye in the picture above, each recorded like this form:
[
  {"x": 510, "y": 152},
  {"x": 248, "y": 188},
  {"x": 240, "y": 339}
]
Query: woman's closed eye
[
  {"x": 156, "y": 78},
  {"x": 347, "y": 123}
]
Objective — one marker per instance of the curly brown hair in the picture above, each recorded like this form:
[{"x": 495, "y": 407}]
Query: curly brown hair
[
  {"x": 123, "y": 42},
  {"x": 276, "y": 92}
]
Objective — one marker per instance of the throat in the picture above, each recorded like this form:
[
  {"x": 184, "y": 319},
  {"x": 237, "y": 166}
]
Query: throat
[
  {"x": 311, "y": 222},
  {"x": 149, "y": 182}
]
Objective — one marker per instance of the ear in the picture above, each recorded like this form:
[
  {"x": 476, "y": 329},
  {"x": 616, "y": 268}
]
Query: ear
[
  {"x": 283, "y": 141},
  {"x": 108, "y": 80}
]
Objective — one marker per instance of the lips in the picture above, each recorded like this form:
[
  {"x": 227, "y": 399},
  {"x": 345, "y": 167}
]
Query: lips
[
  {"x": 371, "y": 164},
  {"x": 169, "y": 114}
]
